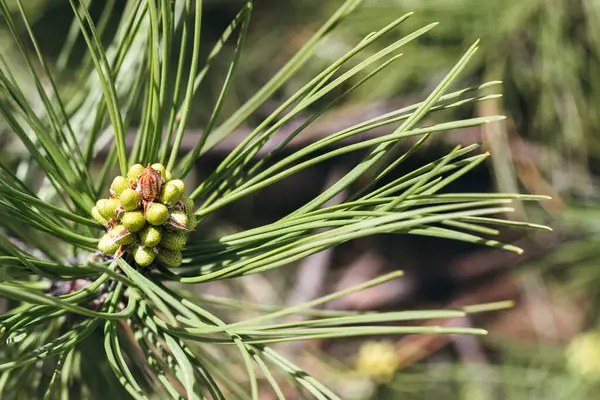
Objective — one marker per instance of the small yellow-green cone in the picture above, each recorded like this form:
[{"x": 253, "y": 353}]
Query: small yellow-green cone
[
  {"x": 107, "y": 208},
  {"x": 168, "y": 175},
  {"x": 129, "y": 199},
  {"x": 133, "y": 220},
  {"x": 170, "y": 194},
  {"x": 108, "y": 245},
  {"x": 583, "y": 355},
  {"x": 135, "y": 171},
  {"x": 161, "y": 170},
  {"x": 170, "y": 258},
  {"x": 143, "y": 255},
  {"x": 379, "y": 360},
  {"x": 150, "y": 236},
  {"x": 174, "y": 240},
  {"x": 121, "y": 235},
  {"x": 157, "y": 214},
  {"x": 179, "y": 183},
  {"x": 178, "y": 220},
  {"x": 99, "y": 218},
  {"x": 119, "y": 184}
]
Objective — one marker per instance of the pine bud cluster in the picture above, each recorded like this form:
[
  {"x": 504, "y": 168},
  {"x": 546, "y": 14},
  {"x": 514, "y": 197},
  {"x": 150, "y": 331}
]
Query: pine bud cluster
[{"x": 146, "y": 216}]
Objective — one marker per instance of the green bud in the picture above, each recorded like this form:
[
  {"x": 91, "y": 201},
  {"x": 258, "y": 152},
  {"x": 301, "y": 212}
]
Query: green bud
[
  {"x": 143, "y": 255},
  {"x": 108, "y": 245},
  {"x": 130, "y": 199},
  {"x": 150, "y": 236},
  {"x": 170, "y": 194},
  {"x": 170, "y": 258},
  {"x": 121, "y": 235},
  {"x": 135, "y": 171},
  {"x": 107, "y": 208},
  {"x": 119, "y": 184},
  {"x": 99, "y": 218},
  {"x": 179, "y": 183},
  {"x": 168, "y": 175},
  {"x": 174, "y": 240},
  {"x": 178, "y": 220},
  {"x": 133, "y": 220},
  {"x": 157, "y": 214},
  {"x": 161, "y": 170}
]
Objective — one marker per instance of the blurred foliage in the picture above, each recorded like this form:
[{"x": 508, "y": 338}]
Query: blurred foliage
[{"x": 547, "y": 53}]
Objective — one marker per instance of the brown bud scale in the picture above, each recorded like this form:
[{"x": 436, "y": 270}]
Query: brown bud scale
[{"x": 149, "y": 184}]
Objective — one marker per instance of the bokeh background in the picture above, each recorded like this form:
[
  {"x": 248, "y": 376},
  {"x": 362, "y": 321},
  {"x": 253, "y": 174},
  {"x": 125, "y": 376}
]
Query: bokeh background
[{"x": 547, "y": 53}]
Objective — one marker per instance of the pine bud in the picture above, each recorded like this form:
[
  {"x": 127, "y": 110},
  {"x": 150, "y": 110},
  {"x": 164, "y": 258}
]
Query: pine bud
[
  {"x": 133, "y": 220},
  {"x": 107, "y": 208},
  {"x": 149, "y": 184},
  {"x": 174, "y": 240},
  {"x": 179, "y": 183},
  {"x": 143, "y": 255},
  {"x": 99, "y": 218},
  {"x": 157, "y": 214},
  {"x": 108, "y": 245},
  {"x": 150, "y": 236},
  {"x": 130, "y": 199},
  {"x": 168, "y": 175},
  {"x": 170, "y": 258},
  {"x": 135, "y": 171},
  {"x": 170, "y": 194},
  {"x": 119, "y": 184}
]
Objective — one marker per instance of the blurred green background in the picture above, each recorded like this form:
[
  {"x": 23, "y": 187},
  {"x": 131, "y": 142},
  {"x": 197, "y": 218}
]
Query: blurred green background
[{"x": 547, "y": 53}]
